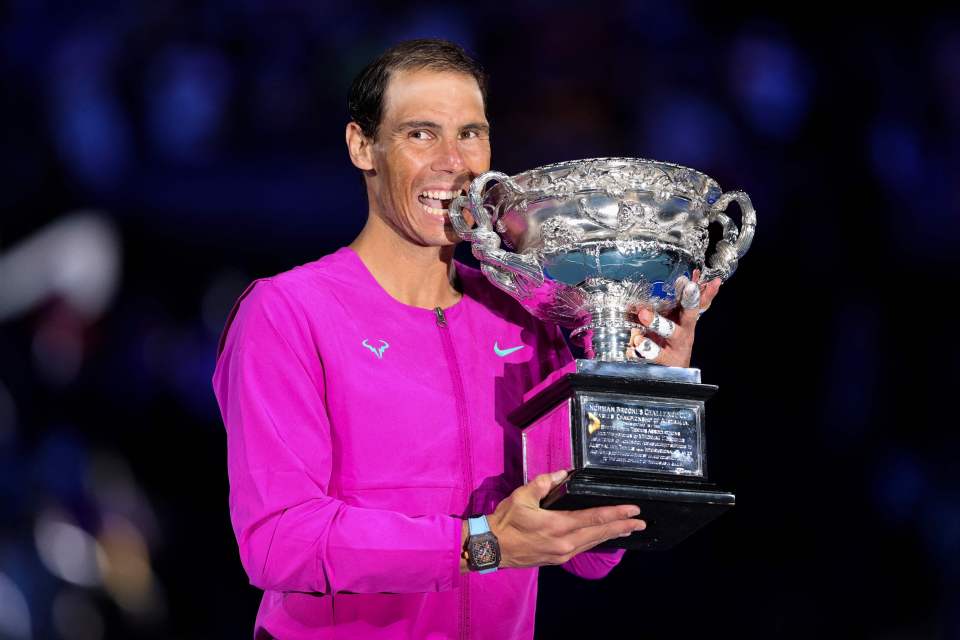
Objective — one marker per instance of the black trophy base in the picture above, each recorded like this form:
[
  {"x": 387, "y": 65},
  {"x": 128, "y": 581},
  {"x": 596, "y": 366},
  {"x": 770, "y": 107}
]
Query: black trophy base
[
  {"x": 626, "y": 440},
  {"x": 672, "y": 511}
]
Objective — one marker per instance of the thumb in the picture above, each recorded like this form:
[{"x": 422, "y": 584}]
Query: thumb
[
  {"x": 710, "y": 291},
  {"x": 542, "y": 484}
]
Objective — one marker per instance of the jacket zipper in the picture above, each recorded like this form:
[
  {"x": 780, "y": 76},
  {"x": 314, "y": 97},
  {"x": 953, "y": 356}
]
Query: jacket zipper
[{"x": 460, "y": 398}]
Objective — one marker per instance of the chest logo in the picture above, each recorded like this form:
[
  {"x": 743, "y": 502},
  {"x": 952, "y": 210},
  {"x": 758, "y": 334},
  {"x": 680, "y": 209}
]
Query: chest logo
[
  {"x": 505, "y": 352},
  {"x": 377, "y": 351}
]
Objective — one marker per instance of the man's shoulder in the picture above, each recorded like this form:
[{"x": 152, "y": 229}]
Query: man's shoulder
[
  {"x": 289, "y": 297},
  {"x": 314, "y": 278}
]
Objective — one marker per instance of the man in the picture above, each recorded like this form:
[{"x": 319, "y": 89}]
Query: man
[{"x": 366, "y": 405}]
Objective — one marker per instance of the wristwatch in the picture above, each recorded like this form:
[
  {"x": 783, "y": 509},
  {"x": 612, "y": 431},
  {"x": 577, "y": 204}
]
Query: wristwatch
[{"x": 483, "y": 548}]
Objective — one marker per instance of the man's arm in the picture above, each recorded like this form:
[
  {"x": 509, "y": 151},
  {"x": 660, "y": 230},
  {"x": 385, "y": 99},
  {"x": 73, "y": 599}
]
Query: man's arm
[{"x": 294, "y": 536}]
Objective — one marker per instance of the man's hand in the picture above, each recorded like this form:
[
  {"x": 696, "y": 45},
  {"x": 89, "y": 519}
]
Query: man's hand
[
  {"x": 668, "y": 340},
  {"x": 532, "y": 537}
]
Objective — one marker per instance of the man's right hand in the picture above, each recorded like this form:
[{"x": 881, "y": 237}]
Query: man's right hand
[{"x": 532, "y": 537}]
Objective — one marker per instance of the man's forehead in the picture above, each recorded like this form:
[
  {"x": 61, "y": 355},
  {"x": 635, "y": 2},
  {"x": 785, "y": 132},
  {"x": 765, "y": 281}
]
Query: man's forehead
[{"x": 430, "y": 90}]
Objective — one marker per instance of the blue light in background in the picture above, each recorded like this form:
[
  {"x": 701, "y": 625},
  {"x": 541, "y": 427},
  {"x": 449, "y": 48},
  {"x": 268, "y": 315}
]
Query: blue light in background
[
  {"x": 88, "y": 122},
  {"x": 60, "y": 466},
  {"x": 687, "y": 129},
  {"x": 448, "y": 23},
  {"x": 941, "y": 528},
  {"x": 918, "y": 174},
  {"x": 896, "y": 157},
  {"x": 660, "y": 23},
  {"x": 771, "y": 82},
  {"x": 851, "y": 376},
  {"x": 899, "y": 485},
  {"x": 947, "y": 68},
  {"x": 186, "y": 95}
]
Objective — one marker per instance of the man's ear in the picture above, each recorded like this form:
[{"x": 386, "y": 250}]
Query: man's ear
[{"x": 360, "y": 147}]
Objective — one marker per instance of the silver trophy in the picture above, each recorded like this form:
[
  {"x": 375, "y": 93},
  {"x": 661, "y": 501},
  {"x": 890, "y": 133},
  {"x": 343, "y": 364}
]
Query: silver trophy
[{"x": 585, "y": 244}]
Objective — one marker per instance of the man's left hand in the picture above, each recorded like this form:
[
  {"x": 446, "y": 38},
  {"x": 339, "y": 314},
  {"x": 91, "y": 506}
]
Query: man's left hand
[{"x": 668, "y": 339}]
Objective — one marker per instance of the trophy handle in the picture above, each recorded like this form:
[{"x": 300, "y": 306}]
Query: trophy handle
[
  {"x": 509, "y": 271},
  {"x": 735, "y": 243},
  {"x": 481, "y": 213}
]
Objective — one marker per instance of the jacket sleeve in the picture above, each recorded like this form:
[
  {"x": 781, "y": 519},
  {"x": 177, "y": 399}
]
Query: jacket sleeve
[
  {"x": 595, "y": 564},
  {"x": 293, "y": 535}
]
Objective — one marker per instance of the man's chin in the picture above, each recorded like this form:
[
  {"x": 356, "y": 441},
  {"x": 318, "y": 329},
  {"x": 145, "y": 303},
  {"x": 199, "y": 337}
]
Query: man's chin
[{"x": 451, "y": 235}]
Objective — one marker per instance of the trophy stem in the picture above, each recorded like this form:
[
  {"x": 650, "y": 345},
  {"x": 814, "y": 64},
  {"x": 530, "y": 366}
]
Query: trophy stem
[{"x": 609, "y": 344}]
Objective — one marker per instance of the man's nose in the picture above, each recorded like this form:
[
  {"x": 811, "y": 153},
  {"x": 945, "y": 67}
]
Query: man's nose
[{"x": 449, "y": 157}]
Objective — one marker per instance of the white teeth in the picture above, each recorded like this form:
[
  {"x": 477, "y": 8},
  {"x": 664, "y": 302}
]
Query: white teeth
[
  {"x": 433, "y": 211},
  {"x": 437, "y": 195},
  {"x": 440, "y": 195}
]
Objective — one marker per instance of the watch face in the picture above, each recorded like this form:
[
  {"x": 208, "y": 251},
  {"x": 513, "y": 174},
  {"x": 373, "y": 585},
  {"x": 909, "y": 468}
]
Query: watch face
[{"x": 484, "y": 551}]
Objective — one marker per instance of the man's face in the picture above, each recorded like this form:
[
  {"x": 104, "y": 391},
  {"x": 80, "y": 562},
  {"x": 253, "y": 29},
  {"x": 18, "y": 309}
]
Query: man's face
[{"x": 433, "y": 139}]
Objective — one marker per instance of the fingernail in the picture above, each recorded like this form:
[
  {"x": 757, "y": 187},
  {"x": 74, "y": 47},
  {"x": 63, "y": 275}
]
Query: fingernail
[
  {"x": 626, "y": 535},
  {"x": 664, "y": 326},
  {"x": 690, "y": 297},
  {"x": 640, "y": 526},
  {"x": 648, "y": 349},
  {"x": 633, "y": 511},
  {"x": 558, "y": 476}
]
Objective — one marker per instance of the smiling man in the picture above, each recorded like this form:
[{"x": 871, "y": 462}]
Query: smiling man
[{"x": 375, "y": 482}]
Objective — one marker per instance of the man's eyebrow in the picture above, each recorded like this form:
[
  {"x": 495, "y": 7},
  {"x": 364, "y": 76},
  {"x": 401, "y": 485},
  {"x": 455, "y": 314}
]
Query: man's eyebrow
[
  {"x": 418, "y": 124},
  {"x": 429, "y": 124},
  {"x": 478, "y": 126}
]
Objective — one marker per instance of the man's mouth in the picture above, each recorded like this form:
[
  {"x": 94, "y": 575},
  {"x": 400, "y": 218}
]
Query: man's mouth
[{"x": 436, "y": 203}]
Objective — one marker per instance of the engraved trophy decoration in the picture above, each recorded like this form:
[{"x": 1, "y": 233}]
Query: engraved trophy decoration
[{"x": 585, "y": 244}]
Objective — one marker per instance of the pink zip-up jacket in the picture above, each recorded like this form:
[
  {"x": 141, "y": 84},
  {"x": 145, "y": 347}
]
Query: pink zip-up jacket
[{"x": 360, "y": 432}]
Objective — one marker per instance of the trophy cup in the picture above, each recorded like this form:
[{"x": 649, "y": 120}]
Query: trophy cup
[{"x": 585, "y": 244}]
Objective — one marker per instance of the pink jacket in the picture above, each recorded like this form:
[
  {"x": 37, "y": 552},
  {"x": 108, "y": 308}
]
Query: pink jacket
[{"x": 360, "y": 432}]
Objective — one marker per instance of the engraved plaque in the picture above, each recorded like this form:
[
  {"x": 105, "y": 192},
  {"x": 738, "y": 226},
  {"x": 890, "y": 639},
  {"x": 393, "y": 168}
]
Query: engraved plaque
[
  {"x": 625, "y": 438},
  {"x": 640, "y": 433}
]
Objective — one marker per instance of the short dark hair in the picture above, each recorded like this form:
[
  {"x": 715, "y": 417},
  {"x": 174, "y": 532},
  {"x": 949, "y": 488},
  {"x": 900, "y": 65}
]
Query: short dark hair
[{"x": 365, "y": 100}]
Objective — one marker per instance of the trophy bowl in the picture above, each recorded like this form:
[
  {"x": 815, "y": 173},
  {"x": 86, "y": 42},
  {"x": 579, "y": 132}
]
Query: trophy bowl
[{"x": 585, "y": 243}]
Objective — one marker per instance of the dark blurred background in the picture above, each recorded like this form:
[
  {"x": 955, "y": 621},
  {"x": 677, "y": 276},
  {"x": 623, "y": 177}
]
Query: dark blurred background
[{"x": 157, "y": 156}]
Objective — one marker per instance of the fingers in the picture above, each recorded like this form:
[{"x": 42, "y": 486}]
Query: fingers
[
  {"x": 562, "y": 524},
  {"x": 588, "y": 537},
  {"x": 531, "y": 536},
  {"x": 688, "y": 293},
  {"x": 663, "y": 327},
  {"x": 708, "y": 293},
  {"x": 540, "y": 486},
  {"x": 645, "y": 349},
  {"x": 669, "y": 340},
  {"x": 642, "y": 347},
  {"x": 598, "y": 515},
  {"x": 600, "y": 524}
]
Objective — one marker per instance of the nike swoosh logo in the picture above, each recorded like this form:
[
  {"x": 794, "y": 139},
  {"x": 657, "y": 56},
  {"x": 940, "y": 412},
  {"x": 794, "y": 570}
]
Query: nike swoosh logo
[{"x": 505, "y": 352}]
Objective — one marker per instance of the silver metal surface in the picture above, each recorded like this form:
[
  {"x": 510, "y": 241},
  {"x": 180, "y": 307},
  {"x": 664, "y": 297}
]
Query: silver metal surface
[
  {"x": 586, "y": 243},
  {"x": 639, "y": 371}
]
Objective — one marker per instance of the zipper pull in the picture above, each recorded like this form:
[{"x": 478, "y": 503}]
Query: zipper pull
[{"x": 441, "y": 319}]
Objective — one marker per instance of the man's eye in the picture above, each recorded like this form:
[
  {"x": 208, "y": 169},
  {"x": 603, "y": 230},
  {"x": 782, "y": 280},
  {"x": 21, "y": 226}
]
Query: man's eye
[
  {"x": 420, "y": 135},
  {"x": 469, "y": 134}
]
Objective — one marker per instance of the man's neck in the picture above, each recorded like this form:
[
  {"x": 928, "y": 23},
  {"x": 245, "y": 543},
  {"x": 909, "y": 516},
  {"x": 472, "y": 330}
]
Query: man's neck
[{"x": 414, "y": 275}]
